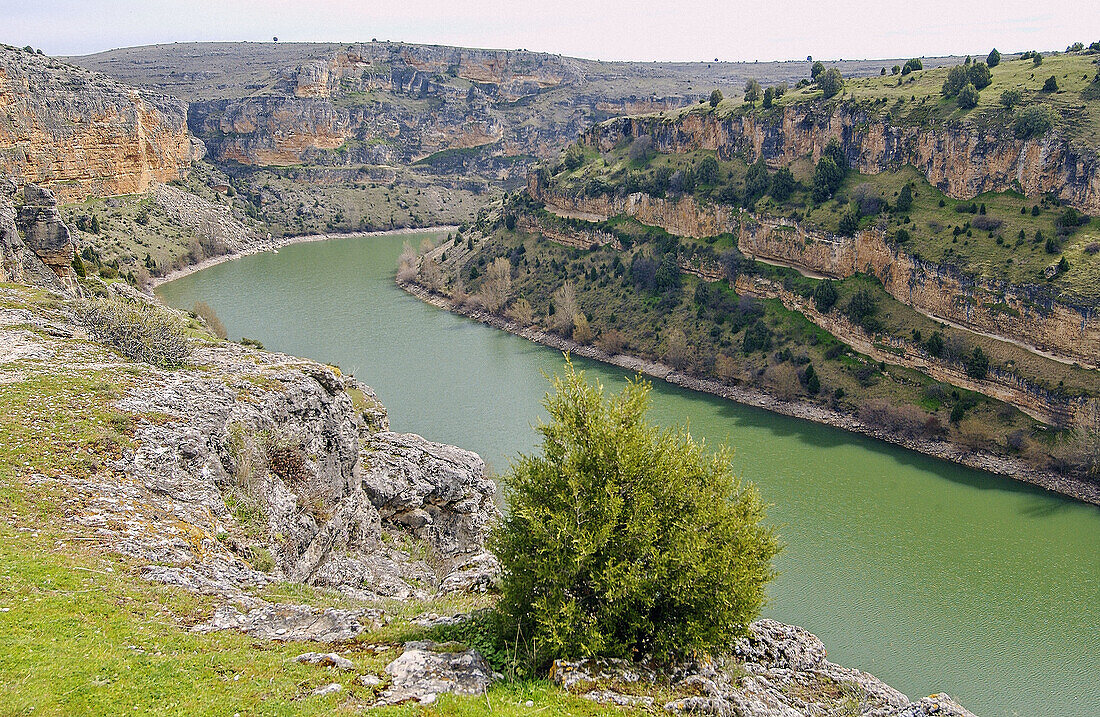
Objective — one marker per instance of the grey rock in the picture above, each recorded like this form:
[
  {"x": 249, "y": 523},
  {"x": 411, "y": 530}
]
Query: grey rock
[
  {"x": 439, "y": 492},
  {"x": 18, "y": 262},
  {"x": 291, "y": 623},
  {"x": 325, "y": 690},
  {"x": 325, "y": 659},
  {"x": 788, "y": 675},
  {"x": 422, "y": 673}
]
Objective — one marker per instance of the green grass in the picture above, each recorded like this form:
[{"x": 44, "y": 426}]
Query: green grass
[
  {"x": 917, "y": 99},
  {"x": 81, "y": 633}
]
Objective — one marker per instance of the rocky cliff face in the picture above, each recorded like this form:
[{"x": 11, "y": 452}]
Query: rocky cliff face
[
  {"x": 83, "y": 134},
  {"x": 18, "y": 262},
  {"x": 1026, "y": 315},
  {"x": 961, "y": 161},
  {"x": 250, "y": 467}
]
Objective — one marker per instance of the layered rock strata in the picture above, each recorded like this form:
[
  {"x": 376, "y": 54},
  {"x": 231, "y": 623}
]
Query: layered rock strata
[
  {"x": 960, "y": 160},
  {"x": 1026, "y": 315},
  {"x": 81, "y": 134}
]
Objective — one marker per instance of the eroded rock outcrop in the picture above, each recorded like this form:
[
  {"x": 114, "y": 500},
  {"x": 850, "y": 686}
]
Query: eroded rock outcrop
[
  {"x": 18, "y": 262},
  {"x": 777, "y": 671},
  {"x": 960, "y": 160},
  {"x": 83, "y": 134},
  {"x": 1032, "y": 316},
  {"x": 256, "y": 467}
]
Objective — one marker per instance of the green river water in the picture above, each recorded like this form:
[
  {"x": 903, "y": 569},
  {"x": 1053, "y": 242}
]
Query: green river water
[{"x": 931, "y": 576}]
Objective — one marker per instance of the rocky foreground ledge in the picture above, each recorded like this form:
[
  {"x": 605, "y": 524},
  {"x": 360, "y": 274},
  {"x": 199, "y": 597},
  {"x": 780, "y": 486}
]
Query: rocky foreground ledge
[{"x": 246, "y": 469}]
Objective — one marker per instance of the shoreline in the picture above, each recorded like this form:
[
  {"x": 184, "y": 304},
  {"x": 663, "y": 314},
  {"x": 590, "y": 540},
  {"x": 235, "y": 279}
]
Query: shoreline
[
  {"x": 1005, "y": 466},
  {"x": 284, "y": 241}
]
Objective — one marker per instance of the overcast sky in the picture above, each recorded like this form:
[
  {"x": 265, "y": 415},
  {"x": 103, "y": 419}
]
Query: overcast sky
[{"x": 611, "y": 30}]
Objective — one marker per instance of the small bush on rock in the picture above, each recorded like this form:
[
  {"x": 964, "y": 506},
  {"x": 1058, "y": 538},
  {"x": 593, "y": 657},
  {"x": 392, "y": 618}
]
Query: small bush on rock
[
  {"x": 624, "y": 539},
  {"x": 140, "y": 332}
]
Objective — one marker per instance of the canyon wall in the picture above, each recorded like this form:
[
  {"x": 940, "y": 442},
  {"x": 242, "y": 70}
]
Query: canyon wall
[
  {"x": 1028, "y": 316},
  {"x": 81, "y": 134},
  {"x": 1037, "y": 401},
  {"x": 960, "y": 160}
]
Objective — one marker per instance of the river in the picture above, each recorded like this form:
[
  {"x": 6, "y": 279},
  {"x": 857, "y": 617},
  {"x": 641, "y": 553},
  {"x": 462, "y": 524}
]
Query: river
[{"x": 931, "y": 576}]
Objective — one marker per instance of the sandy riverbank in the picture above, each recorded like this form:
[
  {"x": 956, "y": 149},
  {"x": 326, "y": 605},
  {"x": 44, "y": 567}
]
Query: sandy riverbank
[
  {"x": 280, "y": 242},
  {"x": 993, "y": 463}
]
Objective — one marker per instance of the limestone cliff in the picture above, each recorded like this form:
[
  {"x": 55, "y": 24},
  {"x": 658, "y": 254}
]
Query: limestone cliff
[
  {"x": 960, "y": 160},
  {"x": 80, "y": 133},
  {"x": 1028, "y": 315}
]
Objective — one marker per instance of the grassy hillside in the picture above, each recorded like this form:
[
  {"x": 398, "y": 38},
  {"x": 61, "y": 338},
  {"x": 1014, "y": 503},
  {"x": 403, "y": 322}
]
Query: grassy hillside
[
  {"x": 82, "y": 633},
  {"x": 1007, "y": 235}
]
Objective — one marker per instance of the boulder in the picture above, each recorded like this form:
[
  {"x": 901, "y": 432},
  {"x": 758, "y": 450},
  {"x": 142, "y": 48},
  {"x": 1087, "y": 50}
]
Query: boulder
[{"x": 424, "y": 671}]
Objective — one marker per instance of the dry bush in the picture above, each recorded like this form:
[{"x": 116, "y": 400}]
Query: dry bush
[
  {"x": 783, "y": 381},
  {"x": 140, "y": 332},
  {"x": 497, "y": 285},
  {"x": 582, "y": 332},
  {"x": 728, "y": 369},
  {"x": 565, "y": 308},
  {"x": 521, "y": 312},
  {"x": 206, "y": 312},
  {"x": 973, "y": 435},
  {"x": 677, "y": 352},
  {"x": 431, "y": 275},
  {"x": 406, "y": 264},
  {"x": 612, "y": 341},
  {"x": 906, "y": 419}
]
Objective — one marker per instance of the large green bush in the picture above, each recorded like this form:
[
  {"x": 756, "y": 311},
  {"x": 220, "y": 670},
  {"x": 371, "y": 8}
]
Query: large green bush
[{"x": 623, "y": 539}]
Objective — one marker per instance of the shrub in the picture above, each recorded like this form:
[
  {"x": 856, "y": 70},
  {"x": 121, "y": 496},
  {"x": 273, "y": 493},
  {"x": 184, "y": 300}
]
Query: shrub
[
  {"x": 1011, "y": 98},
  {"x": 956, "y": 78},
  {"x": 977, "y": 364},
  {"x": 968, "y": 97},
  {"x": 993, "y": 59},
  {"x": 1051, "y": 84},
  {"x": 895, "y": 70},
  {"x": 624, "y": 539},
  {"x": 1034, "y": 121},
  {"x": 825, "y": 295},
  {"x": 140, "y": 332},
  {"x": 612, "y": 341},
  {"x": 715, "y": 97},
  {"x": 905, "y": 419},
  {"x": 849, "y": 222},
  {"x": 816, "y": 69},
  {"x": 911, "y": 65},
  {"x": 831, "y": 82},
  {"x": 905, "y": 198},
  {"x": 782, "y": 184},
  {"x": 206, "y": 312},
  {"x": 752, "y": 91},
  {"x": 827, "y": 178},
  {"x": 769, "y": 98},
  {"x": 708, "y": 171},
  {"x": 979, "y": 75}
]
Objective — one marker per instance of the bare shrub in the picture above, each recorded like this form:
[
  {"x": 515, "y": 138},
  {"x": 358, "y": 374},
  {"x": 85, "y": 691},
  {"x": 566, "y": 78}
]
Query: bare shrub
[
  {"x": 782, "y": 380},
  {"x": 728, "y": 369},
  {"x": 986, "y": 224},
  {"x": 206, "y": 312},
  {"x": 497, "y": 285},
  {"x": 565, "y": 308},
  {"x": 677, "y": 352},
  {"x": 406, "y": 264},
  {"x": 906, "y": 419},
  {"x": 1092, "y": 248},
  {"x": 521, "y": 312},
  {"x": 431, "y": 275},
  {"x": 140, "y": 332},
  {"x": 612, "y": 341},
  {"x": 640, "y": 148},
  {"x": 582, "y": 332}
]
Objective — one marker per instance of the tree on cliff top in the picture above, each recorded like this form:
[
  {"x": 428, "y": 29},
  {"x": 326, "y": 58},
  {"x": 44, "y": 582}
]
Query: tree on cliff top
[
  {"x": 715, "y": 98},
  {"x": 831, "y": 82},
  {"x": 623, "y": 539},
  {"x": 752, "y": 91}
]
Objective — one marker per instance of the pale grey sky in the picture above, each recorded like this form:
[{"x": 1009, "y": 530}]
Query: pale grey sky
[{"x": 610, "y": 30}]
